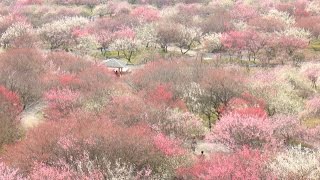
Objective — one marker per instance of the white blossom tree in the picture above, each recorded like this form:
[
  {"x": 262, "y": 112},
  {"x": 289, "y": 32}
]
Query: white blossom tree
[
  {"x": 58, "y": 34},
  {"x": 15, "y": 31},
  {"x": 187, "y": 38},
  {"x": 127, "y": 46},
  {"x": 296, "y": 163},
  {"x": 212, "y": 42},
  {"x": 85, "y": 45},
  {"x": 284, "y": 17},
  {"x": 147, "y": 34}
]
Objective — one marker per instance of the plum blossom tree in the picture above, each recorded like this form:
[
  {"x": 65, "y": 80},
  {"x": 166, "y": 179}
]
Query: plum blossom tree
[
  {"x": 235, "y": 130},
  {"x": 168, "y": 146},
  {"x": 15, "y": 31},
  {"x": 246, "y": 104},
  {"x": 126, "y": 42},
  {"x": 219, "y": 86},
  {"x": 9, "y": 173},
  {"x": 162, "y": 96},
  {"x": 245, "y": 163},
  {"x": 127, "y": 110},
  {"x": 61, "y": 102},
  {"x": 58, "y": 34},
  {"x": 287, "y": 129},
  {"x": 185, "y": 125},
  {"x": 83, "y": 139},
  {"x": 242, "y": 12},
  {"x": 127, "y": 46},
  {"x": 102, "y": 10},
  {"x": 147, "y": 34},
  {"x": 284, "y": 17},
  {"x": 21, "y": 71},
  {"x": 313, "y": 7},
  {"x": 84, "y": 42},
  {"x": 217, "y": 22},
  {"x": 212, "y": 42},
  {"x": 310, "y": 23},
  {"x": 167, "y": 33},
  {"x": 267, "y": 24},
  {"x": 297, "y": 163},
  {"x": 234, "y": 41},
  {"x": 312, "y": 106},
  {"x": 10, "y": 108},
  {"x": 187, "y": 38},
  {"x": 104, "y": 38},
  {"x": 312, "y": 72},
  {"x": 255, "y": 42},
  {"x": 146, "y": 14},
  {"x": 290, "y": 44}
]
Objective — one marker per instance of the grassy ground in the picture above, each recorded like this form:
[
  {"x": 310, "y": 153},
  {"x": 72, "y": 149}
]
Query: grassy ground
[{"x": 315, "y": 45}]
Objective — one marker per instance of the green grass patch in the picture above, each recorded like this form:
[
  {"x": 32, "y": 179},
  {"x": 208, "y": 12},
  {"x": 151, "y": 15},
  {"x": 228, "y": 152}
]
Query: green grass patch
[{"x": 315, "y": 45}]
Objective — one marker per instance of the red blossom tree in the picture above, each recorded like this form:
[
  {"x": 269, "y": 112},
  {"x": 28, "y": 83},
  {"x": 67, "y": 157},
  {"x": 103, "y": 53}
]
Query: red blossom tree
[{"x": 162, "y": 96}]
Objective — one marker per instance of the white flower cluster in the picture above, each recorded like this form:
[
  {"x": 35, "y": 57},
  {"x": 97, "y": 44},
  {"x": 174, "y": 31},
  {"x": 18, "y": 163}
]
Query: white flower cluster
[
  {"x": 240, "y": 25},
  {"x": 125, "y": 44},
  {"x": 168, "y": 12},
  {"x": 192, "y": 95},
  {"x": 63, "y": 25},
  {"x": 296, "y": 33},
  {"x": 14, "y": 31},
  {"x": 147, "y": 34},
  {"x": 57, "y": 33},
  {"x": 285, "y": 17},
  {"x": 296, "y": 163},
  {"x": 188, "y": 35},
  {"x": 224, "y": 3},
  {"x": 212, "y": 41},
  {"x": 86, "y": 44},
  {"x": 313, "y": 7},
  {"x": 102, "y": 10}
]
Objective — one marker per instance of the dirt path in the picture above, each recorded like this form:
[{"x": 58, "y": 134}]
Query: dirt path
[
  {"x": 32, "y": 116},
  {"x": 209, "y": 148}
]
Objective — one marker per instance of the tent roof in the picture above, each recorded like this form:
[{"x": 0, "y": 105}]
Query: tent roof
[{"x": 114, "y": 63}]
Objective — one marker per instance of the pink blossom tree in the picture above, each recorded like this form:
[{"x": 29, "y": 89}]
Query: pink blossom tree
[
  {"x": 312, "y": 72},
  {"x": 235, "y": 130},
  {"x": 234, "y": 41},
  {"x": 61, "y": 102},
  {"x": 146, "y": 14},
  {"x": 291, "y": 44},
  {"x": 245, "y": 163},
  {"x": 168, "y": 146},
  {"x": 9, "y": 173},
  {"x": 243, "y": 12}
]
